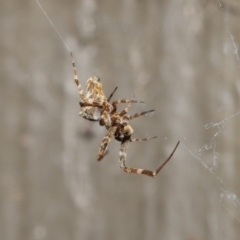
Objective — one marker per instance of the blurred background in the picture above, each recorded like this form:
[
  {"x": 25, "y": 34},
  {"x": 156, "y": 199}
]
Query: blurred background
[{"x": 181, "y": 58}]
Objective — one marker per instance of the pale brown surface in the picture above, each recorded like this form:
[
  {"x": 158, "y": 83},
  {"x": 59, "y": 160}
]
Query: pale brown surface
[{"x": 179, "y": 57}]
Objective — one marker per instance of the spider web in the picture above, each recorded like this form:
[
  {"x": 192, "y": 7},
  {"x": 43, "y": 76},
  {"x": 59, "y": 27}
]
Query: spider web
[
  {"x": 228, "y": 196},
  {"x": 197, "y": 194},
  {"x": 208, "y": 155},
  {"x": 211, "y": 145}
]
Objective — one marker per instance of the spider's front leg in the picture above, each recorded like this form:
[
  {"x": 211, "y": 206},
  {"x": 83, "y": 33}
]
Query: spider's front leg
[
  {"x": 125, "y": 111},
  {"x": 122, "y": 160},
  {"x": 114, "y": 104},
  {"x": 80, "y": 90},
  {"x": 105, "y": 142}
]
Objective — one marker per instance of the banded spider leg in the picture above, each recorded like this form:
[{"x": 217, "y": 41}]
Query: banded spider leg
[
  {"x": 80, "y": 90},
  {"x": 95, "y": 95},
  {"x": 116, "y": 126},
  {"x": 124, "y": 130},
  {"x": 112, "y": 130},
  {"x": 105, "y": 142},
  {"x": 122, "y": 160}
]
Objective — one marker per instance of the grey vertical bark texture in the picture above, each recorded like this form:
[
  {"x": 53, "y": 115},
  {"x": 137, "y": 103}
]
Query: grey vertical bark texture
[{"x": 181, "y": 58}]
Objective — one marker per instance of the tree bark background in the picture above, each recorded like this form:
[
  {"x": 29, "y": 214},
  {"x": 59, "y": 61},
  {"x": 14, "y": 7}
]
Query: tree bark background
[{"x": 181, "y": 57}]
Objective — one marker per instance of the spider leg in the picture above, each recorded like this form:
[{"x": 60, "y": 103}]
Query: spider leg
[
  {"x": 125, "y": 110},
  {"x": 138, "y": 114},
  {"x": 109, "y": 98},
  {"x": 165, "y": 162},
  {"x": 124, "y": 101},
  {"x": 114, "y": 104},
  {"x": 80, "y": 90},
  {"x": 122, "y": 159},
  {"x": 120, "y": 139},
  {"x": 141, "y": 139},
  {"x": 105, "y": 142}
]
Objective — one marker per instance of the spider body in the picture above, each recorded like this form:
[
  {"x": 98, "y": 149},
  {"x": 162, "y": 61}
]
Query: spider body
[
  {"x": 93, "y": 100},
  {"x": 96, "y": 107}
]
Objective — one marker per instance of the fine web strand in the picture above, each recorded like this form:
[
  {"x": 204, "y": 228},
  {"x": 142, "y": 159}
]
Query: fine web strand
[
  {"x": 232, "y": 38},
  {"x": 234, "y": 44},
  {"x": 212, "y": 124},
  {"x": 204, "y": 164},
  {"x": 230, "y": 212},
  {"x": 221, "y": 124},
  {"x": 234, "y": 199},
  {"x": 52, "y": 24},
  {"x": 229, "y": 195}
]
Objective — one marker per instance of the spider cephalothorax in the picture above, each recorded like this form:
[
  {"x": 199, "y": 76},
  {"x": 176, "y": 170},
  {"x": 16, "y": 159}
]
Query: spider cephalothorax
[
  {"x": 94, "y": 99},
  {"x": 96, "y": 107}
]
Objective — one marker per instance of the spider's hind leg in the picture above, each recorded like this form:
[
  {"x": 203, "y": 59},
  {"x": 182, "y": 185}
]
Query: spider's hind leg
[{"x": 122, "y": 160}]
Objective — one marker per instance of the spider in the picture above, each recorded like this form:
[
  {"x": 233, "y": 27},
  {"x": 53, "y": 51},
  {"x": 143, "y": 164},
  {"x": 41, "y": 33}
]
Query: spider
[{"x": 96, "y": 107}]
